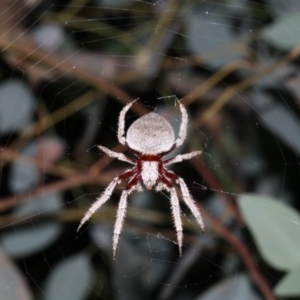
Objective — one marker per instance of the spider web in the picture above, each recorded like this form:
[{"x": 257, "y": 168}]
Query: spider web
[{"x": 68, "y": 68}]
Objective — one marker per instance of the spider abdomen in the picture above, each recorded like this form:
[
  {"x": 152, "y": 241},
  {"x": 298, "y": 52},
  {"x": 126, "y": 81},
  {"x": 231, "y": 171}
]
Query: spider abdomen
[{"x": 150, "y": 134}]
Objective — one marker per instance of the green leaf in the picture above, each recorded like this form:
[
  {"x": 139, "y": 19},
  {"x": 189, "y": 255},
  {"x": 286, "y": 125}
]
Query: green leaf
[
  {"x": 275, "y": 227},
  {"x": 289, "y": 285}
]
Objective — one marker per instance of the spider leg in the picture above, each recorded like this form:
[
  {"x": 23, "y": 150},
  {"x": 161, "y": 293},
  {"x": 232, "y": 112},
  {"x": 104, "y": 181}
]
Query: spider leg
[
  {"x": 190, "y": 202},
  {"x": 130, "y": 187},
  {"x": 181, "y": 157},
  {"x": 117, "y": 155},
  {"x": 187, "y": 198},
  {"x": 99, "y": 202},
  {"x": 176, "y": 217},
  {"x": 121, "y": 126},
  {"x": 183, "y": 125},
  {"x": 175, "y": 207},
  {"x": 104, "y": 196},
  {"x": 120, "y": 220}
]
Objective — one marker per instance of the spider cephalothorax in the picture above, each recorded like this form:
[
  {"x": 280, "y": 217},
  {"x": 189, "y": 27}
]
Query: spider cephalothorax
[{"x": 150, "y": 138}]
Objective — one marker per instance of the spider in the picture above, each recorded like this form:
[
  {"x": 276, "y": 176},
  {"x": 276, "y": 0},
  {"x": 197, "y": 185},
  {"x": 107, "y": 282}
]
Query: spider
[{"x": 150, "y": 138}]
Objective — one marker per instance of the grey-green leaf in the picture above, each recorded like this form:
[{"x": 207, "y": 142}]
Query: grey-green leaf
[
  {"x": 289, "y": 285},
  {"x": 235, "y": 288},
  {"x": 71, "y": 279},
  {"x": 41, "y": 235},
  {"x": 208, "y": 30},
  {"x": 16, "y": 105},
  {"x": 275, "y": 227},
  {"x": 284, "y": 32},
  {"x": 13, "y": 284}
]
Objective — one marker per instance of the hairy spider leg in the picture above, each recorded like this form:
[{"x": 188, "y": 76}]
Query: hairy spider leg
[
  {"x": 176, "y": 212},
  {"x": 181, "y": 157},
  {"x": 105, "y": 196},
  {"x": 189, "y": 201},
  {"x": 187, "y": 198},
  {"x": 183, "y": 125},
  {"x": 117, "y": 155},
  {"x": 119, "y": 220},
  {"x": 175, "y": 207},
  {"x": 121, "y": 124},
  {"x": 182, "y": 131},
  {"x": 130, "y": 187}
]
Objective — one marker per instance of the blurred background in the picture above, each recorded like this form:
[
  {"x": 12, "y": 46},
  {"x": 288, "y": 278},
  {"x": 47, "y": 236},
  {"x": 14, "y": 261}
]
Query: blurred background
[{"x": 67, "y": 68}]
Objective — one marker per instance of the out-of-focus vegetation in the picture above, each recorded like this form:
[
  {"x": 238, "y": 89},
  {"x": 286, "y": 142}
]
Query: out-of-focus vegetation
[{"x": 68, "y": 68}]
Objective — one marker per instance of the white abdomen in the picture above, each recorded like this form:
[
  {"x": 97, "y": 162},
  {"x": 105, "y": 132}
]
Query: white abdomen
[{"x": 149, "y": 173}]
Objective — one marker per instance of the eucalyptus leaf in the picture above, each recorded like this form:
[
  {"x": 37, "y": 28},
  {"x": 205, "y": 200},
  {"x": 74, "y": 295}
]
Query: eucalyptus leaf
[
  {"x": 235, "y": 288},
  {"x": 48, "y": 36},
  {"x": 275, "y": 227},
  {"x": 271, "y": 114},
  {"x": 16, "y": 105},
  {"x": 284, "y": 32},
  {"x": 289, "y": 285},
  {"x": 208, "y": 30},
  {"x": 13, "y": 284},
  {"x": 24, "y": 177},
  {"x": 70, "y": 279},
  {"x": 26, "y": 240},
  {"x": 279, "y": 7}
]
